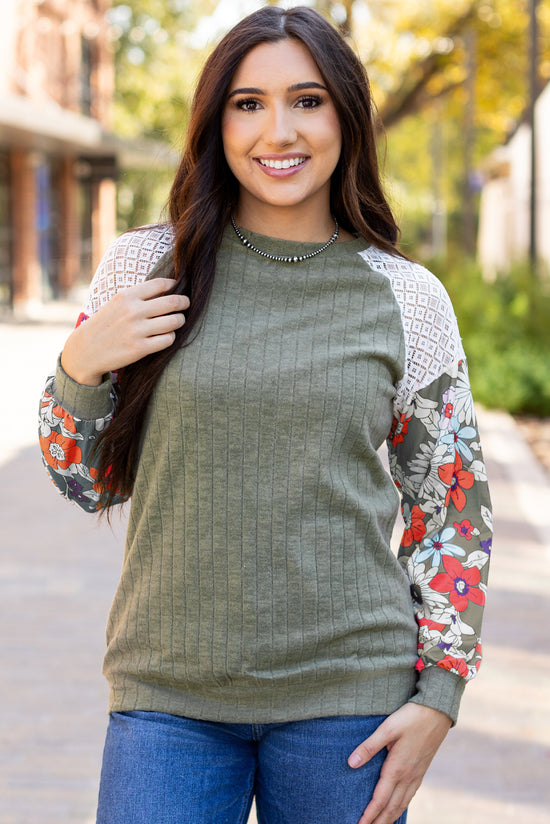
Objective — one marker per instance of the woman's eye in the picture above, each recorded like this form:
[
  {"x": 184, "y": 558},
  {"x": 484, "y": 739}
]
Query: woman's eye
[
  {"x": 248, "y": 105},
  {"x": 309, "y": 102}
]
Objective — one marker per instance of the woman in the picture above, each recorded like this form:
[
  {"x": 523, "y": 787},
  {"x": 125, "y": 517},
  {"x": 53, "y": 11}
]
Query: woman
[{"x": 262, "y": 639}]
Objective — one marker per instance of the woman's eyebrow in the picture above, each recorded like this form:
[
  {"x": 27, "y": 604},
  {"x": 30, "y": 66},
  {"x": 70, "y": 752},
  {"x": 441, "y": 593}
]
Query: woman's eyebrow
[
  {"x": 296, "y": 87},
  {"x": 246, "y": 90},
  {"x": 312, "y": 85}
]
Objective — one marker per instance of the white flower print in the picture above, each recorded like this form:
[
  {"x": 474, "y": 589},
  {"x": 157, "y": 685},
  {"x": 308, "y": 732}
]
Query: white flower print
[
  {"x": 487, "y": 516},
  {"x": 421, "y": 579},
  {"x": 422, "y": 477},
  {"x": 464, "y": 404}
]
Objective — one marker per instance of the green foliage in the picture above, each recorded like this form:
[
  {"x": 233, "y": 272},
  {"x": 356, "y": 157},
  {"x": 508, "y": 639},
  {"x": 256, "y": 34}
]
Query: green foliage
[
  {"x": 499, "y": 29},
  {"x": 142, "y": 197},
  {"x": 506, "y": 335},
  {"x": 156, "y": 65}
]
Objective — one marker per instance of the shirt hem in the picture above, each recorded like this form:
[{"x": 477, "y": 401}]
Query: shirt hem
[{"x": 379, "y": 695}]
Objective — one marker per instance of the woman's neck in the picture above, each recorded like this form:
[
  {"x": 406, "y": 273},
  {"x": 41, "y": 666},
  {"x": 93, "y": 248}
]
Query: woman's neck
[{"x": 287, "y": 223}]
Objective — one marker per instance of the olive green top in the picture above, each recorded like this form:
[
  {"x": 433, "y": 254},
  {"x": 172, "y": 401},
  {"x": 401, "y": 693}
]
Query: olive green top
[{"x": 258, "y": 583}]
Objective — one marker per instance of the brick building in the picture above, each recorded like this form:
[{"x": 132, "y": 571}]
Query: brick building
[{"x": 58, "y": 160}]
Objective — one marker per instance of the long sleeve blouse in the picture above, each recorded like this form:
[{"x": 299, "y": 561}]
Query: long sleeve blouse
[{"x": 290, "y": 413}]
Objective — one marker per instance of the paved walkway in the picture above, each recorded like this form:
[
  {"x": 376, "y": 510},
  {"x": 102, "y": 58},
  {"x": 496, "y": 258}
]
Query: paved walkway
[{"x": 58, "y": 570}]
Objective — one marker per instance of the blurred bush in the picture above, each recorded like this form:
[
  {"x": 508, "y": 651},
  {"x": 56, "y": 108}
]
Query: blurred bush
[{"x": 505, "y": 327}]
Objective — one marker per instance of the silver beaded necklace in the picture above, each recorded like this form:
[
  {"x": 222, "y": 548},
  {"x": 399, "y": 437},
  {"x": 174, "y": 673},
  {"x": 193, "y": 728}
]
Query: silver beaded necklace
[{"x": 285, "y": 258}]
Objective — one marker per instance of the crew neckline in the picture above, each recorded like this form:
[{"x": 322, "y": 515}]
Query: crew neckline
[{"x": 280, "y": 246}]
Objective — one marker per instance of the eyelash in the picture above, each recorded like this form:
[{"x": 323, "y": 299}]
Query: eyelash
[
  {"x": 251, "y": 101},
  {"x": 311, "y": 98}
]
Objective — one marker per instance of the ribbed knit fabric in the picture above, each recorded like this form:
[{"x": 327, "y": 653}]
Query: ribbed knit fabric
[{"x": 258, "y": 584}]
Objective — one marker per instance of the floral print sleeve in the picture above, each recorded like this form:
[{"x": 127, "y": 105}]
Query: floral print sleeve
[
  {"x": 72, "y": 416},
  {"x": 437, "y": 465},
  {"x": 67, "y": 440},
  {"x": 436, "y": 462}
]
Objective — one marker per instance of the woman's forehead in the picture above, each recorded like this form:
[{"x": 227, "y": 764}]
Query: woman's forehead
[{"x": 285, "y": 62}]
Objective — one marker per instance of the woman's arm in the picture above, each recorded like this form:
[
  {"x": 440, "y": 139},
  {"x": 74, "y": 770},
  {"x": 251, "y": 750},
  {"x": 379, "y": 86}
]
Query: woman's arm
[
  {"x": 67, "y": 440},
  {"x": 130, "y": 319},
  {"x": 436, "y": 462}
]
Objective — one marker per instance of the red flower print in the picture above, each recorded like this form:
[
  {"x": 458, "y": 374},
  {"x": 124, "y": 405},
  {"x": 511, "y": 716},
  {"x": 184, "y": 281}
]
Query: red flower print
[
  {"x": 419, "y": 666},
  {"x": 427, "y": 622},
  {"x": 458, "y": 665},
  {"x": 81, "y": 318},
  {"x": 464, "y": 529},
  {"x": 416, "y": 529},
  {"x": 97, "y": 486},
  {"x": 460, "y": 583},
  {"x": 399, "y": 429},
  {"x": 478, "y": 660},
  {"x": 457, "y": 479},
  {"x": 100, "y": 487},
  {"x": 68, "y": 420},
  {"x": 60, "y": 452},
  {"x": 449, "y": 410}
]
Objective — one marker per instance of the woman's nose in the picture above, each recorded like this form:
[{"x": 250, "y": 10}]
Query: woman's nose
[{"x": 281, "y": 129}]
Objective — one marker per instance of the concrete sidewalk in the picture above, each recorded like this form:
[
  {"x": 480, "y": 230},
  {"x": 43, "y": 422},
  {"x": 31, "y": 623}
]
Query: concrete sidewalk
[{"x": 58, "y": 571}]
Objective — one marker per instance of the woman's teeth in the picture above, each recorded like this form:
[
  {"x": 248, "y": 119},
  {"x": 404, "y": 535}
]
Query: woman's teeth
[{"x": 283, "y": 164}]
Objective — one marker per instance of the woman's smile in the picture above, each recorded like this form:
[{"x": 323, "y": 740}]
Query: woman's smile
[{"x": 282, "y": 165}]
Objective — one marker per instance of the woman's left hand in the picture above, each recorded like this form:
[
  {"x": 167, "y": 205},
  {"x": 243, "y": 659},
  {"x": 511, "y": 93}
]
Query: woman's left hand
[{"x": 412, "y": 736}]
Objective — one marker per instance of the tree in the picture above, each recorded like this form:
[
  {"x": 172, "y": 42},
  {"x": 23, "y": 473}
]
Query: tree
[
  {"x": 460, "y": 69},
  {"x": 156, "y": 62}
]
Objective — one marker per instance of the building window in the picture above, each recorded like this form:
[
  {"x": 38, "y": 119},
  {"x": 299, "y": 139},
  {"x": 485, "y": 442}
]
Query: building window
[{"x": 86, "y": 71}]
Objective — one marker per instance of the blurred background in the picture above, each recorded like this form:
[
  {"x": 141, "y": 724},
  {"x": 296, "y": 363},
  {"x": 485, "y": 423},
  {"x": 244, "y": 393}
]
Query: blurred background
[{"x": 94, "y": 102}]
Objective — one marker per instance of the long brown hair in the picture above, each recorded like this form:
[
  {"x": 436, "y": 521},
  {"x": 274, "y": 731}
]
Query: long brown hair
[{"x": 204, "y": 188}]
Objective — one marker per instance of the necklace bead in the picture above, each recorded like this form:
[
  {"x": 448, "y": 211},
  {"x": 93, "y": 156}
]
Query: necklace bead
[{"x": 285, "y": 258}]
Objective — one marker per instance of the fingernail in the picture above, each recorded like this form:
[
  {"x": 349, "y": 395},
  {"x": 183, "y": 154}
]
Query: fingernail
[{"x": 354, "y": 760}]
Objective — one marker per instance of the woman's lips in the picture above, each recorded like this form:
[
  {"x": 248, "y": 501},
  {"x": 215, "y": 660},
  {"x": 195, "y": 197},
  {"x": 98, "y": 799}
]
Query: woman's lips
[{"x": 281, "y": 167}]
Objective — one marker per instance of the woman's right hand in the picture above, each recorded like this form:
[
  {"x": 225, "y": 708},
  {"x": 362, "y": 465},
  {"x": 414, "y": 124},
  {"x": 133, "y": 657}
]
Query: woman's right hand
[{"x": 136, "y": 322}]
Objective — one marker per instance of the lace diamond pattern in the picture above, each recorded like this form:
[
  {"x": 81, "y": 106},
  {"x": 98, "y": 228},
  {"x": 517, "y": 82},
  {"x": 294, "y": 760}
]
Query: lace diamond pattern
[
  {"x": 127, "y": 262},
  {"x": 431, "y": 332}
]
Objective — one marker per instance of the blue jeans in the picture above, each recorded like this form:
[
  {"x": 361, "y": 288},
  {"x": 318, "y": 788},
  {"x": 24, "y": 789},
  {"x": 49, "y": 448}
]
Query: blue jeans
[{"x": 163, "y": 769}]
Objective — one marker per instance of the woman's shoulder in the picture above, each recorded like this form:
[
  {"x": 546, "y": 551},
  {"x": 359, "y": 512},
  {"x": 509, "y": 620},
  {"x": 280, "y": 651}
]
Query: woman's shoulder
[
  {"x": 432, "y": 338},
  {"x": 139, "y": 246},
  {"x": 413, "y": 286},
  {"x": 128, "y": 261},
  {"x": 398, "y": 268}
]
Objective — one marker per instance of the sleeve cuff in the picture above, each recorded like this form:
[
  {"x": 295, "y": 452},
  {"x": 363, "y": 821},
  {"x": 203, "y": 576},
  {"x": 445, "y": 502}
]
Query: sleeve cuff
[
  {"x": 441, "y": 690},
  {"x": 81, "y": 401}
]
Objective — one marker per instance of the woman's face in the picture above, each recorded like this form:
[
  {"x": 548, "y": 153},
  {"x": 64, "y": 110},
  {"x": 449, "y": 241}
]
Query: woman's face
[{"x": 280, "y": 131}]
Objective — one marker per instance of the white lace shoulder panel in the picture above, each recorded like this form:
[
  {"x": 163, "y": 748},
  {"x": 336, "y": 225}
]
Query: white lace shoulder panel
[
  {"x": 127, "y": 262},
  {"x": 432, "y": 338}
]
